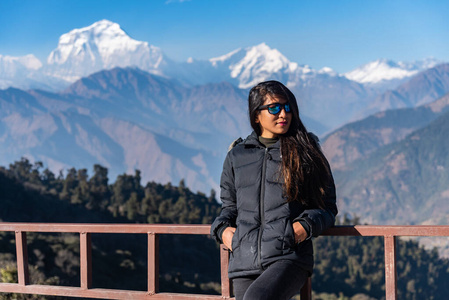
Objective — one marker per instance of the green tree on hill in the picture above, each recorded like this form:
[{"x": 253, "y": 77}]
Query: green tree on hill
[{"x": 345, "y": 266}]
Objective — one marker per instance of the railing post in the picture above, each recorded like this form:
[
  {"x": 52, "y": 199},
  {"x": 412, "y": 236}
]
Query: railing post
[
  {"x": 86, "y": 260},
  {"x": 390, "y": 268},
  {"x": 153, "y": 263},
  {"x": 225, "y": 281},
  {"x": 22, "y": 258},
  {"x": 306, "y": 290}
]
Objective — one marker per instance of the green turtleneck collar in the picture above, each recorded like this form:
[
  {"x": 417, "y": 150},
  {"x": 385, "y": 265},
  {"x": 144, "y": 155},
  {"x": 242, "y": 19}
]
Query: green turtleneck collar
[{"x": 267, "y": 142}]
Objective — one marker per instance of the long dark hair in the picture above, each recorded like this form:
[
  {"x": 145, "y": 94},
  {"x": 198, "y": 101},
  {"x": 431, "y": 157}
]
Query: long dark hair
[{"x": 304, "y": 167}]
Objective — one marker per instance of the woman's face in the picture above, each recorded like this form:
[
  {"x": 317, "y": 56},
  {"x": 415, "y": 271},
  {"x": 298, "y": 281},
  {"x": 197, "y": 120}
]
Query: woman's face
[{"x": 273, "y": 125}]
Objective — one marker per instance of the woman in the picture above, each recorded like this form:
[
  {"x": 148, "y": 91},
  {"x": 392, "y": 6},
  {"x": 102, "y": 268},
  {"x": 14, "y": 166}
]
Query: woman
[{"x": 277, "y": 192}]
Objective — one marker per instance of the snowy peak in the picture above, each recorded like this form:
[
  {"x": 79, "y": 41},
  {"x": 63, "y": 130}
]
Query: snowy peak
[
  {"x": 263, "y": 59},
  {"x": 9, "y": 65},
  {"x": 254, "y": 64},
  {"x": 385, "y": 70},
  {"x": 422, "y": 65},
  {"x": 327, "y": 70},
  {"x": 231, "y": 57},
  {"x": 29, "y": 61},
  {"x": 19, "y": 71},
  {"x": 102, "y": 45},
  {"x": 379, "y": 70}
]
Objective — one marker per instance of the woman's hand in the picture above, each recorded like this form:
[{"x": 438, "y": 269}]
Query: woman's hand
[
  {"x": 300, "y": 232},
  {"x": 228, "y": 233}
]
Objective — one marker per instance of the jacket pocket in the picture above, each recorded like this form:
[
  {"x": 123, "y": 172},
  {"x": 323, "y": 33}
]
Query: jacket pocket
[
  {"x": 235, "y": 243},
  {"x": 289, "y": 236}
]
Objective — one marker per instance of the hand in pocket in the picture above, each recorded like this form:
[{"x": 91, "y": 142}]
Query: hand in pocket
[
  {"x": 300, "y": 232},
  {"x": 227, "y": 237}
]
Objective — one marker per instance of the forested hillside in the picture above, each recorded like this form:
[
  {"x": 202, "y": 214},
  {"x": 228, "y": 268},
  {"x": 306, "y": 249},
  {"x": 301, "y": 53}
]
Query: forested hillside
[
  {"x": 30, "y": 194},
  {"x": 345, "y": 266}
]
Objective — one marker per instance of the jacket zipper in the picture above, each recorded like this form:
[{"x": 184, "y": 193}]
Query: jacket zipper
[{"x": 261, "y": 209}]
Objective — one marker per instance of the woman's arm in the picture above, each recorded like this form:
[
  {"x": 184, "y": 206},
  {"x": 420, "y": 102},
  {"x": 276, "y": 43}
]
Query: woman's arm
[
  {"x": 317, "y": 219},
  {"x": 228, "y": 213}
]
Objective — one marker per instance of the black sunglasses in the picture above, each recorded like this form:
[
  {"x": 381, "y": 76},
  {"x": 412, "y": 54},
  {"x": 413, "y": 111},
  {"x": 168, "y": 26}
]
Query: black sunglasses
[{"x": 275, "y": 108}]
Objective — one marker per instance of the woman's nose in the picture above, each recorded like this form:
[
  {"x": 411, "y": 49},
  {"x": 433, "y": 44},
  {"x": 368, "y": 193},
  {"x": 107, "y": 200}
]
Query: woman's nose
[{"x": 282, "y": 113}]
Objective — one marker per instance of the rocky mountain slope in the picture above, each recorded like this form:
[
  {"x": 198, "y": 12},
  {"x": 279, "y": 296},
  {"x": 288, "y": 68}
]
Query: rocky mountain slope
[
  {"x": 142, "y": 122},
  {"x": 357, "y": 140},
  {"x": 405, "y": 182}
]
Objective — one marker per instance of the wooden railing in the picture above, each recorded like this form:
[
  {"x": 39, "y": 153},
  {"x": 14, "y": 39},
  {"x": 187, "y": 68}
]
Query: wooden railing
[{"x": 153, "y": 231}]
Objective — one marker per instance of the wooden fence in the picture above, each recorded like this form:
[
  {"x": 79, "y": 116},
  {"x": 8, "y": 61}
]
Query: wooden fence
[{"x": 389, "y": 233}]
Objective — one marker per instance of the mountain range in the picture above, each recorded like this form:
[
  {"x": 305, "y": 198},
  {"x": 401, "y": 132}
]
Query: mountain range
[
  {"x": 387, "y": 74},
  {"x": 403, "y": 182},
  {"x": 358, "y": 139},
  {"x": 392, "y": 167},
  {"x": 126, "y": 119},
  {"x": 105, "y": 98},
  {"x": 328, "y": 99}
]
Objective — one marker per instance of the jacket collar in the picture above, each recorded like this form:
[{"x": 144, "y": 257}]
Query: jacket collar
[{"x": 253, "y": 141}]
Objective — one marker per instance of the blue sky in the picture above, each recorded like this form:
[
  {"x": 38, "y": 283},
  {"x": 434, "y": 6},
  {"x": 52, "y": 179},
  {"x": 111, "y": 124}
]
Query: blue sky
[{"x": 341, "y": 34}]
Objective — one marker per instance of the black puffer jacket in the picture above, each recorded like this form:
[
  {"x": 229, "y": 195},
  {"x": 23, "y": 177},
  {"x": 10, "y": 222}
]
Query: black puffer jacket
[{"x": 253, "y": 202}]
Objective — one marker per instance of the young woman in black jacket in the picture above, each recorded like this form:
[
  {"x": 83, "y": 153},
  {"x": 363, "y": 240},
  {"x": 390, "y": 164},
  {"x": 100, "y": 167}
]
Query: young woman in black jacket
[{"x": 277, "y": 192}]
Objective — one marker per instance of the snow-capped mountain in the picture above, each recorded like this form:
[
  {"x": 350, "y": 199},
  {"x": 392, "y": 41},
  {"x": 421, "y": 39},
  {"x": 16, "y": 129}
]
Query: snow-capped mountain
[
  {"x": 387, "y": 73},
  {"x": 105, "y": 45},
  {"x": 324, "y": 95},
  {"x": 249, "y": 66},
  {"x": 422, "y": 88},
  {"x": 10, "y": 65},
  {"x": 255, "y": 64},
  {"x": 243, "y": 67},
  {"x": 102, "y": 45},
  {"x": 194, "y": 107},
  {"x": 18, "y": 71}
]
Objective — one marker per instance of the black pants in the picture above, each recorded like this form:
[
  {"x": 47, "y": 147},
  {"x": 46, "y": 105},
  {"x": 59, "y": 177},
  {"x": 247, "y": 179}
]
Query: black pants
[{"x": 281, "y": 280}]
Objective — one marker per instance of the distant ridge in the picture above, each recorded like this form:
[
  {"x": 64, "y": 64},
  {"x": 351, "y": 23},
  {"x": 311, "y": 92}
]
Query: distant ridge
[
  {"x": 405, "y": 182},
  {"x": 387, "y": 74},
  {"x": 126, "y": 119},
  {"x": 358, "y": 139},
  {"x": 423, "y": 88}
]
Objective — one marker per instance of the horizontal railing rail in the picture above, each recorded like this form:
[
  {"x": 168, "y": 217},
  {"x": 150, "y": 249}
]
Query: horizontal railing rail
[{"x": 390, "y": 233}]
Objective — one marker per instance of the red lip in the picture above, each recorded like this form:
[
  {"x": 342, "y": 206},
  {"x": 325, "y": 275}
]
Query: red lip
[{"x": 283, "y": 123}]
